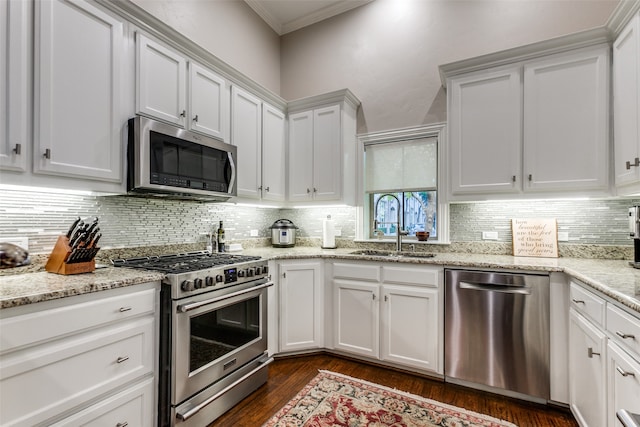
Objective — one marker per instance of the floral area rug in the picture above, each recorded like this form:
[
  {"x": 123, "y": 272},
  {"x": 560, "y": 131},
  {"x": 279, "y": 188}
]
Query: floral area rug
[{"x": 336, "y": 400}]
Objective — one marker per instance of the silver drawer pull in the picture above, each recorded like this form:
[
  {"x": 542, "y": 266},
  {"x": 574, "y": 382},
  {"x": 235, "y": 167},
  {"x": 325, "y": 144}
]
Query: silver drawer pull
[
  {"x": 17, "y": 149},
  {"x": 123, "y": 309},
  {"x": 124, "y": 424},
  {"x": 625, "y": 336},
  {"x": 592, "y": 353},
  {"x": 122, "y": 359},
  {"x": 578, "y": 301},
  {"x": 624, "y": 373}
]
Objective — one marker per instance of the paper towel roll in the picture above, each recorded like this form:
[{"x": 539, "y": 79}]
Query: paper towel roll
[{"x": 328, "y": 233}]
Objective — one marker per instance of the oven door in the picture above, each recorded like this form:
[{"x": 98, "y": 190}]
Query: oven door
[{"x": 215, "y": 334}]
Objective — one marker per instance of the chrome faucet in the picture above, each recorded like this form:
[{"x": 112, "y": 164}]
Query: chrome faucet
[{"x": 399, "y": 232}]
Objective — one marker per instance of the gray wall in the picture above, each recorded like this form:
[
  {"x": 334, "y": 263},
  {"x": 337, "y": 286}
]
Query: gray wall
[
  {"x": 388, "y": 51},
  {"x": 230, "y": 30}
]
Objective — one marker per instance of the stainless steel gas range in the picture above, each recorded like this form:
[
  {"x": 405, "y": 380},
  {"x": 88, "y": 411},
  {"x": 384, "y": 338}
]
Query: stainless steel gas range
[{"x": 213, "y": 333}]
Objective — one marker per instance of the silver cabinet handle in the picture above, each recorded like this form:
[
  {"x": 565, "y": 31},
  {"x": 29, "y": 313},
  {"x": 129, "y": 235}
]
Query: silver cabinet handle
[
  {"x": 122, "y": 359},
  {"x": 47, "y": 154},
  {"x": 625, "y": 336},
  {"x": 308, "y": 191},
  {"x": 17, "y": 149},
  {"x": 124, "y": 424},
  {"x": 636, "y": 163},
  {"x": 123, "y": 309},
  {"x": 184, "y": 113},
  {"x": 592, "y": 353},
  {"x": 386, "y": 298},
  {"x": 624, "y": 373},
  {"x": 195, "y": 119},
  {"x": 315, "y": 190},
  {"x": 530, "y": 177},
  {"x": 513, "y": 178},
  {"x": 578, "y": 301},
  {"x": 267, "y": 189}
]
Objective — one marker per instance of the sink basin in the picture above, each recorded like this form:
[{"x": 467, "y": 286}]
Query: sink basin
[{"x": 393, "y": 254}]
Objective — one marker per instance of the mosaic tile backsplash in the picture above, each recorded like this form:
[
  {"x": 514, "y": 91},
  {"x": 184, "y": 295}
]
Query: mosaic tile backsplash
[{"x": 134, "y": 221}]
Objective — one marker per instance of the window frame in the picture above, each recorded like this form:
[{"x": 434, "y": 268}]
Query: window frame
[{"x": 364, "y": 215}]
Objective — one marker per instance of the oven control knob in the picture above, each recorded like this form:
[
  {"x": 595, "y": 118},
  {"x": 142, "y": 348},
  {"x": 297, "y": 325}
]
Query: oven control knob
[
  {"x": 265, "y": 269},
  {"x": 219, "y": 278},
  {"x": 258, "y": 270},
  {"x": 210, "y": 281},
  {"x": 198, "y": 283},
  {"x": 187, "y": 286},
  {"x": 250, "y": 272}
]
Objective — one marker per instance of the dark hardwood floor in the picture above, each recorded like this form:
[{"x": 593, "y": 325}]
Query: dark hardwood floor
[{"x": 287, "y": 376}]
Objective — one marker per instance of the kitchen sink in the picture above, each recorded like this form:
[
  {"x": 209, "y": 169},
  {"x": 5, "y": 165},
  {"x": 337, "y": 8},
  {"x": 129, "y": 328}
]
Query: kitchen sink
[{"x": 393, "y": 254}]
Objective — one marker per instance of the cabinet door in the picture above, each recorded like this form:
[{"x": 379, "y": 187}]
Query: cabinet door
[
  {"x": 327, "y": 154},
  {"x": 410, "y": 326},
  {"x": 246, "y": 134},
  {"x": 626, "y": 103},
  {"x": 14, "y": 84},
  {"x": 208, "y": 102},
  {"x": 624, "y": 383},
  {"x": 566, "y": 116},
  {"x": 77, "y": 91},
  {"x": 587, "y": 371},
  {"x": 485, "y": 116},
  {"x": 301, "y": 306},
  {"x": 301, "y": 156},
  {"x": 161, "y": 82},
  {"x": 273, "y": 154},
  {"x": 356, "y": 318}
]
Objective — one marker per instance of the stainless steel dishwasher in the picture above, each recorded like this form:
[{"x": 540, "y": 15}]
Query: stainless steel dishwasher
[{"x": 497, "y": 332}]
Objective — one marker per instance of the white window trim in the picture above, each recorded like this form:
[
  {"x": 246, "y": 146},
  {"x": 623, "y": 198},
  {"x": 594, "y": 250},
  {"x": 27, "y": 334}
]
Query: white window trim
[{"x": 438, "y": 131}]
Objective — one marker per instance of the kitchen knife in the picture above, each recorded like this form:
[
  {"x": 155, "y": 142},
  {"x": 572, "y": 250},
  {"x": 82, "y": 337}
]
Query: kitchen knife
[
  {"x": 76, "y": 232},
  {"x": 75, "y": 242},
  {"x": 89, "y": 239},
  {"x": 93, "y": 226},
  {"x": 73, "y": 227},
  {"x": 95, "y": 241}
]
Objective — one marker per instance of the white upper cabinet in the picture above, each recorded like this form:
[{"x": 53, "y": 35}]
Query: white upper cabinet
[
  {"x": 485, "y": 115},
  {"x": 176, "y": 90},
  {"x": 273, "y": 154},
  {"x": 566, "y": 121},
  {"x": 626, "y": 107},
  {"x": 246, "y": 134},
  {"x": 77, "y": 111},
  {"x": 14, "y": 83},
  {"x": 533, "y": 127},
  {"x": 322, "y": 148}
]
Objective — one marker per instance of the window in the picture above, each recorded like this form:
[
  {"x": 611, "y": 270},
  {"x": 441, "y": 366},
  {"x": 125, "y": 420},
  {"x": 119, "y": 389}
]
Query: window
[{"x": 401, "y": 183}]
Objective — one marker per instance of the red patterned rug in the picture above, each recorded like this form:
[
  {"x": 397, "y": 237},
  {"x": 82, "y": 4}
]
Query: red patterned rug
[{"x": 336, "y": 400}]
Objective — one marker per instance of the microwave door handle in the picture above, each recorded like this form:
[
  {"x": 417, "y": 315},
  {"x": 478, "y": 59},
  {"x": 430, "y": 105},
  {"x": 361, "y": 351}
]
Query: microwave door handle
[{"x": 232, "y": 166}]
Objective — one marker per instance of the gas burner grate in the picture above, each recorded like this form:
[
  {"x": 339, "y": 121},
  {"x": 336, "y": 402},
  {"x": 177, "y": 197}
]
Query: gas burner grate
[{"x": 183, "y": 263}]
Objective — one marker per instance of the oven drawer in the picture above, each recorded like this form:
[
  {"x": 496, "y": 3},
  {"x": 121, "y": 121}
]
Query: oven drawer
[
  {"x": 50, "y": 379},
  {"x": 44, "y": 325}
]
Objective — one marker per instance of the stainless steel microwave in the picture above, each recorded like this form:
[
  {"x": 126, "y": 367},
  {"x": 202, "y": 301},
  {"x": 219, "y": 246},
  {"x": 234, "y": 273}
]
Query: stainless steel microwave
[{"x": 167, "y": 161}]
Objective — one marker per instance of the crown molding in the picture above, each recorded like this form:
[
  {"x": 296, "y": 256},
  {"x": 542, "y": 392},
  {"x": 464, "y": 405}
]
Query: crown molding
[
  {"x": 621, "y": 15},
  {"x": 415, "y": 132},
  {"x": 342, "y": 95},
  {"x": 266, "y": 16}
]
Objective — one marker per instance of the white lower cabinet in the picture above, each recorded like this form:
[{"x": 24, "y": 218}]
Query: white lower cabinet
[
  {"x": 587, "y": 364},
  {"x": 301, "y": 298},
  {"x": 623, "y": 373},
  {"x": 75, "y": 369},
  {"x": 378, "y": 318}
]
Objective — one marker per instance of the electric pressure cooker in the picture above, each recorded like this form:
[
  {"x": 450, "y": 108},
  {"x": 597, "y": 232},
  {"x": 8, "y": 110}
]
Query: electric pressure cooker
[{"x": 283, "y": 234}]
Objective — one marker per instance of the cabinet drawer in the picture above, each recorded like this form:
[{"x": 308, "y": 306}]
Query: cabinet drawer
[
  {"x": 426, "y": 276},
  {"x": 132, "y": 407},
  {"x": 49, "y": 324},
  {"x": 625, "y": 328},
  {"x": 42, "y": 381},
  {"x": 356, "y": 271},
  {"x": 587, "y": 303}
]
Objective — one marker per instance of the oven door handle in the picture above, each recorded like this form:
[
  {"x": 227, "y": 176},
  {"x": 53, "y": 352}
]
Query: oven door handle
[
  {"x": 188, "y": 307},
  {"x": 184, "y": 416}
]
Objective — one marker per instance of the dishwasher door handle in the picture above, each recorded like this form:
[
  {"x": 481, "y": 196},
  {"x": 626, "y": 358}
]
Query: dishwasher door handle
[{"x": 491, "y": 287}]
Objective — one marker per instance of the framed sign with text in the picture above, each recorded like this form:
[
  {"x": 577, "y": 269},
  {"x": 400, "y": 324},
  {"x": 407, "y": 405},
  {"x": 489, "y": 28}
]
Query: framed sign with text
[{"x": 535, "y": 237}]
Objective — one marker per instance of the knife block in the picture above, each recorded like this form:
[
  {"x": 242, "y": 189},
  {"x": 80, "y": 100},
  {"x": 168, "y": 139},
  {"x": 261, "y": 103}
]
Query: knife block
[{"x": 57, "y": 262}]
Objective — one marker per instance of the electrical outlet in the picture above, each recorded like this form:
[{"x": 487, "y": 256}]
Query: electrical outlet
[
  {"x": 489, "y": 235},
  {"x": 337, "y": 232},
  {"x": 563, "y": 236},
  {"x": 253, "y": 233}
]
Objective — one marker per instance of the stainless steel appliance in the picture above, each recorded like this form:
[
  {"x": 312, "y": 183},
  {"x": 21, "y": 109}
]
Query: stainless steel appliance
[
  {"x": 283, "y": 234},
  {"x": 634, "y": 233},
  {"x": 167, "y": 161},
  {"x": 213, "y": 333},
  {"x": 497, "y": 332},
  {"x": 628, "y": 419}
]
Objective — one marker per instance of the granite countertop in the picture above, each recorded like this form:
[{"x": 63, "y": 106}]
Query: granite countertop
[{"x": 614, "y": 278}]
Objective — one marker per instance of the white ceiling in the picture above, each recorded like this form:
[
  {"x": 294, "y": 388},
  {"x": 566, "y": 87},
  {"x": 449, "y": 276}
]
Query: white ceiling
[{"x": 285, "y": 16}]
